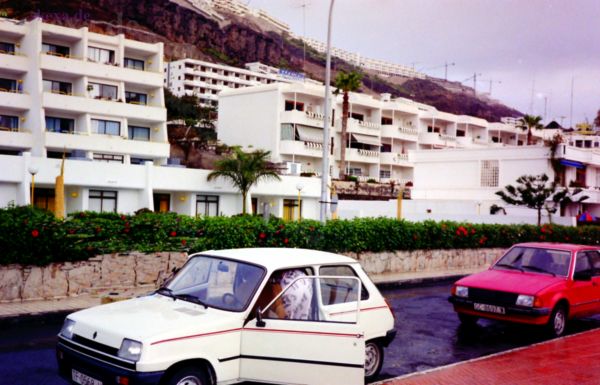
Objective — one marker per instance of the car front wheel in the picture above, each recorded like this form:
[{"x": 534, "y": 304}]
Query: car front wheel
[
  {"x": 188, "y": 376},
  {"x": 557, "y": 325},
  {"x": 373, "y": 360}
]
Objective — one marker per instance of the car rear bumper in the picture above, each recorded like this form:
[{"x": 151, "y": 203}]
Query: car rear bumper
[
  {"x": 511, "y": 313},
  {"x": 70, "y": 359}
]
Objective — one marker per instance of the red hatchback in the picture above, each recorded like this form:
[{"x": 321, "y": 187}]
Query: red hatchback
[{"x": 533, "y": 283}]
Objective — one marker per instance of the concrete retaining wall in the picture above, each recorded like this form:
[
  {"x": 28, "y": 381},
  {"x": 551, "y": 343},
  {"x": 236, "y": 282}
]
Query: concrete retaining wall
[{"x": 133, "y": 270}]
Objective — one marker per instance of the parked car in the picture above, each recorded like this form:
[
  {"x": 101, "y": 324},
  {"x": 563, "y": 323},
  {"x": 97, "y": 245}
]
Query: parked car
[
  {"x": 533, "y": 283},
  {"x": 268, "y": 315}
]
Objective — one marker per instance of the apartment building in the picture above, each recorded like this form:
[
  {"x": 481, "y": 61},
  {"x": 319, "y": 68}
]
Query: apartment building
[
  {"x": 205, "y": 80},
  {"x": 287, "y": 119},
  {"x": 98, "y": 100}
]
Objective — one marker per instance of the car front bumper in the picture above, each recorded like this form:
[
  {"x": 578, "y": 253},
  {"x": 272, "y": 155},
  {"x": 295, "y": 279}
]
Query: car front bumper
[
  {"x": 69, "y": 359},
  {"x": 511, "y": 313}
]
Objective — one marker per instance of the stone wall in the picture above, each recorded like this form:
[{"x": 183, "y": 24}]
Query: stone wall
[{"x": 137, "y": 270}]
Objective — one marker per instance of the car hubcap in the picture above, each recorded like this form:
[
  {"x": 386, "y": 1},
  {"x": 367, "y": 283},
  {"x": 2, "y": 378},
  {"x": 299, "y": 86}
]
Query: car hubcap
[
  {"x": 189, "y": 380},
  {"x": 371, "y": 359},
  {"x": 559, "y": 322}
]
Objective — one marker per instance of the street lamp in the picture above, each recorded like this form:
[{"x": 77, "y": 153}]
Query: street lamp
[
  {"x": 32, "y": 170},
  {"x": 325, "y": 172},
  {"x": 299, "y": 187}
]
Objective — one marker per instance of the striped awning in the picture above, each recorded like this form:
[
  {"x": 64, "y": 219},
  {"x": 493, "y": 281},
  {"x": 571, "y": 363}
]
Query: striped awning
[
  {"x": 309, "y": 134},
  {"x": 366, "y": 139}
]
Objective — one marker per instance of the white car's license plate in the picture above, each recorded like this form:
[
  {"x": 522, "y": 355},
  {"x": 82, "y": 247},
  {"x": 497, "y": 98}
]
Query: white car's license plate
[
  {"x": 83, "y": 379},
  {"x": 489, "y": 308}
]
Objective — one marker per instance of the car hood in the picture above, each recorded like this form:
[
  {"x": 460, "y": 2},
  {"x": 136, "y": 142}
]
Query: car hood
[
  {"x": 510, "y": 281},
  {"x": 149, "y": 319}
]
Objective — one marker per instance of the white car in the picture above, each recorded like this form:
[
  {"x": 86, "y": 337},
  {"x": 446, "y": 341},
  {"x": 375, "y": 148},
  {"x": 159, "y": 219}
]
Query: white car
[{"x": 269, "y": 315}]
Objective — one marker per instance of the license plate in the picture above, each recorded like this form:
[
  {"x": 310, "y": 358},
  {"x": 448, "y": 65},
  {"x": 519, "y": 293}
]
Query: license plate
[
  {"x": 83, "y": 379},
  {"x": 489, "y": 308}
]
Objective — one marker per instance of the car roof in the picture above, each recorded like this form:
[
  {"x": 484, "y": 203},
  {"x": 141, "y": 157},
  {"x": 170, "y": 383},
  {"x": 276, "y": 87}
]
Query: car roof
[
  {"x": 279, "y": 258},
  {"x": 559, "y": 246}
]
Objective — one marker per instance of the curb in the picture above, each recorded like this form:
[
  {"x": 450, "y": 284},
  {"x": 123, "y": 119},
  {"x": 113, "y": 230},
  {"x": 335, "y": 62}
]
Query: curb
[{"x": 423, "y": 281}]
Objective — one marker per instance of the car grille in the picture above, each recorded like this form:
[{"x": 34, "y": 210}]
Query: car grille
[
  {"x": 492, "y": 297},
  {"x": 95, "y": 345}
]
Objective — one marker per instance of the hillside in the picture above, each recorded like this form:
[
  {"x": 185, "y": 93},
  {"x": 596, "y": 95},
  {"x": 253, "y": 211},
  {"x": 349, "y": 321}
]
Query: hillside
[{"x": 235, "y": 41}]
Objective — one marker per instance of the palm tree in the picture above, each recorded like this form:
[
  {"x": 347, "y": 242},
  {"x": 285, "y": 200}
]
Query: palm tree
[
  {"x": 529, "y": 122},
  {"x": 346, "y": 83},
  {"x": 244, "y": 169}
]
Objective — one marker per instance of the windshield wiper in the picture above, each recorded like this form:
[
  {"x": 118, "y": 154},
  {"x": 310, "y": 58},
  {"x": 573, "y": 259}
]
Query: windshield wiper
[
  {"x": 190, "y": 298},
  {"x": 509, "y": 266},
  {"x": 166, "y": 292},
  {"x": 538, "y": 269}
]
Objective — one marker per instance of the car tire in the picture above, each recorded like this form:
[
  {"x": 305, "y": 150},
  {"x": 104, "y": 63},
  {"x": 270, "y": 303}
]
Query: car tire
[
  {"x": 467, "y": 319},
  {"x": 557, "y": 324},
  {"x": 188, "y": 376},
  {"x": 373, "y": 360}
]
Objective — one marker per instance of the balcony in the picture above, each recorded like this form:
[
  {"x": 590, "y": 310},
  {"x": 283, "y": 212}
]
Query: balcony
[
  {"x": 394, "y": 159},
  {"x": 362, "y": 156},
  {"x": 106, "y": 143},
  {"x": 307, "y": 118},
  {"x": 301, "y": 148},
  {"x": 82, "y": 104},
  {"x": 359, "y": 127},
  {"x": 15, "y": 100},
  {"x": 13, "y": 138},
  {"x": 437, "y": 139},
  {"x": 399, "y": 132},
  {"x": 16, "y": 63}
]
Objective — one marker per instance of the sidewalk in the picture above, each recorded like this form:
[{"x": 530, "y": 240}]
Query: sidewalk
[{"x": 572, "y": 360}]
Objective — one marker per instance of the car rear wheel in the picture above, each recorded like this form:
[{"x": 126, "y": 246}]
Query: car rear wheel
[
  {"x": 373, "y": 360},
  {"x": 557, "y": 325},
  {"x": 188, "y": 376},
  {"x": 467, "y": 319}
]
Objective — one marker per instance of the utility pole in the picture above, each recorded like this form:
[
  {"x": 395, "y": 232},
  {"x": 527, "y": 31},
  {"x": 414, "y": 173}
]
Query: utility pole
[
  {"x": 571, "y": 110},
  {"x": 446, "y": 69}
]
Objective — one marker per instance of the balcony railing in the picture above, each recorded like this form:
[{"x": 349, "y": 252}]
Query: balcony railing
[
  {"x": 369, "y": 125},
  {"x": 408, "y": 131},
  {"x": 447, "y": 137},
  {"x": 314, "y": 115},
  {"x": 369, "y": 153}
]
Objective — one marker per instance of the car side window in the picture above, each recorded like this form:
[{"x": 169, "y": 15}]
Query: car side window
[
  {"x": 297, "y": 301},
  {"x": 334, "y": 291},
  {"x": 582, "y": 263},
  {"x": 594, "y": 257}
]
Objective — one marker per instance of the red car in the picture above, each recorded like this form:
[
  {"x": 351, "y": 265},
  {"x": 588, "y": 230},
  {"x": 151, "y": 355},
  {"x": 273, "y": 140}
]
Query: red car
[{"x": 533, "y": 283}]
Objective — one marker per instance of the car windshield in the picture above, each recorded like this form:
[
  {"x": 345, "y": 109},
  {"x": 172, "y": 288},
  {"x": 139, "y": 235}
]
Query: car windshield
[
  {"x": 536, "y": 260},
  {"x": 215, "y": 282}
]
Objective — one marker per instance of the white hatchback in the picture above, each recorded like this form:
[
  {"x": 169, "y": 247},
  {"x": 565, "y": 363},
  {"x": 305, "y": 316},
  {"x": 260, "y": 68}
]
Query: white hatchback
[{"x": 273, "y": 315}]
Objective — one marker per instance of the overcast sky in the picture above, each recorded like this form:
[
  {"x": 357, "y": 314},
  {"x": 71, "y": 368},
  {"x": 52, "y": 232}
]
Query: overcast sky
[{"x": 521, "y": 45}]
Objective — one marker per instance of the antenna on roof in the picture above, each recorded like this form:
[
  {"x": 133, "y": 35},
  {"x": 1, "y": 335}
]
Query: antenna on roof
[{"x": 303, "y": 6}]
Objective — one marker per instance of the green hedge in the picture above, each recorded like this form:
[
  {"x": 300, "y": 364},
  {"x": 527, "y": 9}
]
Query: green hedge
[{"x": 33, "y": 236}]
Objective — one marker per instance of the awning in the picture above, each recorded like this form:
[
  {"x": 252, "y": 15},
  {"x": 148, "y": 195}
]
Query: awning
[
  {"x": 366, "y": 139},
  {"x": 572, "y": 163},
  {"x": 309, "y": 134}
]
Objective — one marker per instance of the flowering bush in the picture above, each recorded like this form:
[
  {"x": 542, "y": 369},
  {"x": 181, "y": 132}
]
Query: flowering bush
[{"x": 33, "y": 236}]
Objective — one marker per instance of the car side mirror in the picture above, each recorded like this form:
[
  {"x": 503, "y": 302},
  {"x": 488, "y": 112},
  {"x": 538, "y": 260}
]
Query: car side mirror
[
  {"x": 583, "y": 276},
  {"x": 259, "y": 320}
]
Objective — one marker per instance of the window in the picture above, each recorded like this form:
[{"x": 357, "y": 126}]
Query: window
[
  {"x": 490, "y": 171},
  {"x": 103, "y": 201},
  {"x": 385, "y": 174},
  {"x": 287, "y": 131},
  {"x": 7, "y": 48},
  {"x": 580, "y": 176},
  {"x": 134, "y": 64},
  {"x": 355, "y": 171},
  {"x": 101, "y": 55},
  {"x": 136, "y": 98},
  {"x": 461, "y": 133},
  {"x": 290, "y": 209},
  {"x": 386, "y": 121},
  {"x": 57, "y": 87},
  {"x": 9, "y": 123},
  {"x": 44, "y": 198},
  {"x": 106, "y": 127},
  {"x": 55, "y": 50},
  {"x": 139, "y": 133},
  {"x": 102, "y": 91},
  {"x": 139, "y": 160},
  {"x": 331, "y": 294},
  {"x": 290, "y": 105},
  {"x": 433, "y": 129},
  {"x": 359, "y": 117},
  {"x": 162, "y": 203},
  {"x": 385, "y": 147},
  {"x": 8, "y": 85},
  {"x": 108, "y": 158},
  {"x": 207, "y": 205},
  {"x": 62, "y": 125}
]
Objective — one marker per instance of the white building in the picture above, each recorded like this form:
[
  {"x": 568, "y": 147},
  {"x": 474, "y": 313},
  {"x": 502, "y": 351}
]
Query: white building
[
  {"x": 205, "y": 80},
  {"x": 99, "y": 100},
  {"x": 287, "y": 119}
]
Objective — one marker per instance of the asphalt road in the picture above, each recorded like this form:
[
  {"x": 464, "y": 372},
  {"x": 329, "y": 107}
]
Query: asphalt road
[{"x": 429, "y": 335}]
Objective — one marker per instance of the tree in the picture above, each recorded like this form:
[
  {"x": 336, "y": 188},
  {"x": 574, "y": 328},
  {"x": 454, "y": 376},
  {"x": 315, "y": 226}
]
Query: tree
[
  {"x": 597, "y": 119},
  {"x": 346, "y": 82},
  {"x": 244, "y": 169},
  {"x": 529, "y": 122},
  {"x": 536, "y": 192}
]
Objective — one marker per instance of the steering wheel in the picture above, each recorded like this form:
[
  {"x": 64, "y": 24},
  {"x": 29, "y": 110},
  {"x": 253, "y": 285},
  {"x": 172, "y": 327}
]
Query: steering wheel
[{"x": 230, "y": 300}]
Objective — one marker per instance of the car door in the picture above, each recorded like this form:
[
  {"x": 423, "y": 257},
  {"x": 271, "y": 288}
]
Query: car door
[
  {"x": 586, "y": 284},
  {"x": 309, "y": 350},
  {"x": 594, "y": 257}
]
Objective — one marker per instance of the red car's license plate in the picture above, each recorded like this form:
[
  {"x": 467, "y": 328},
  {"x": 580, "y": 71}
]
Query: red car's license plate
[
  {"x": 489, "y": 308},
  {"x": 83, "y": 379}
]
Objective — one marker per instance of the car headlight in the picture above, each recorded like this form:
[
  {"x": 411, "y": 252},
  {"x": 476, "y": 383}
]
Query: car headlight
[
  {"x": 461, "y": 291},
  {"x": 67, "y": 329},
  {"x": 525, "y": 300},
  {"x": 130, "y": 350}
]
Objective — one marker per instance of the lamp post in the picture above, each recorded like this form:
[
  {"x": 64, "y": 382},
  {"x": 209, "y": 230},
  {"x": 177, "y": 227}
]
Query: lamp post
[
  {"x": 32, "y": 170},
  {"x": 325, "y": 170},
  {"x": 299, "y": 187}
]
